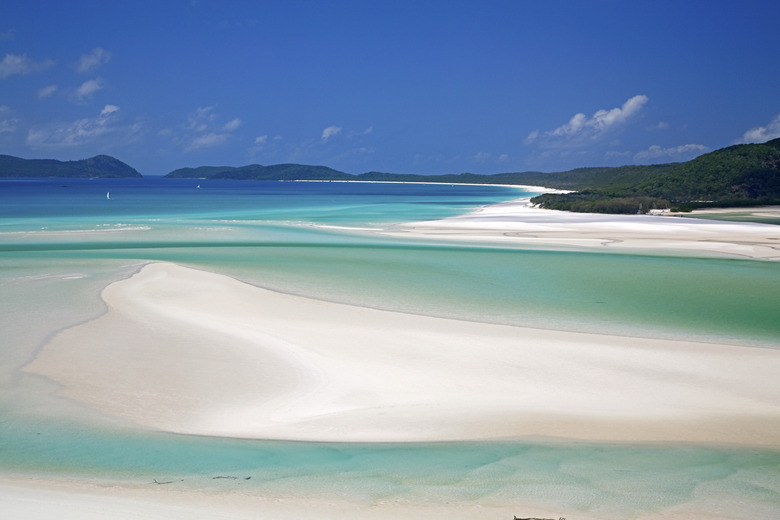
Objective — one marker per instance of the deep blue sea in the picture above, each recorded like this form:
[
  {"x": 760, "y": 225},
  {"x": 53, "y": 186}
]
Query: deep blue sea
[{"x": 63, "y": 240}]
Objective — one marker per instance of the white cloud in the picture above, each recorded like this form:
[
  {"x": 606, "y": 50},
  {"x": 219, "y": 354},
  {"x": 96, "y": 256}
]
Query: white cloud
[
  {"x": 682, "y": 152},
  {"x": 573, "y": 127},
  {"x": 94, "y": 59},
  {"x": 265, "y": 146},
  {"x": 79, "y": 132},
  {"x": 13, "y": 64},
  {"x": 581, "y": 129},
  {"x": 259, "y": 144},
  {"x": 232, "y": 125},
  {"x": 762, "y": 134},
  {"x": 209, "y": 140},
  {"x": 200, "y": 120},
  {"x": 203, "y": 131},
  {"x": 108, "y": 109},
  {"x": 88, "y": 89},
  {"x": 47, "y": 91},
  {"x": 485, "y": 157},
  {"x": 368, "y": 130},
  {"x": 7, "y": 124},
  {"x": 532, "y": 137},
  {"x": 617, "y": 154},
  {"x": 330, "y": 132},
  {"x": 604, "y": 119}
]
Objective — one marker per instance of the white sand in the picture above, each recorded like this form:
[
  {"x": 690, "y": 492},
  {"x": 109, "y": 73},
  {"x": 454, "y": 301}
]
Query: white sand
[
  {"x": 188, "y": 351},
  {"x": 521, "y": 223},
  {"x": 46, "y": 500},
  {"x": 194, "y": 352}
]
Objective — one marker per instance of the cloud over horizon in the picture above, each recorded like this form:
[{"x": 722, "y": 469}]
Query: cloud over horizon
[
  {"x": 581, "y": 130},
  {"x": 330, "y": 132},
  {"x": 7, "y": 123},
  {"x": 677, "y": 153},
  {"x": 202, "y": 131},
  {"x": 80, "y": 132},
  {"x": 761, "y": 134}
]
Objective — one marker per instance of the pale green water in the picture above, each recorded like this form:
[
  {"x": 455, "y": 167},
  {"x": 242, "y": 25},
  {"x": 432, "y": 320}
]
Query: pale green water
[
  {"x": 52, "y": 281},
  {"x": 696, "y": 298},
  {"x": 615, "y": 481}
]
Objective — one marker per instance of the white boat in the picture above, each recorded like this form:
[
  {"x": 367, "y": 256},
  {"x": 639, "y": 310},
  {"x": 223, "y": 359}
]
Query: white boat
[{"x": 108, "y": 195}]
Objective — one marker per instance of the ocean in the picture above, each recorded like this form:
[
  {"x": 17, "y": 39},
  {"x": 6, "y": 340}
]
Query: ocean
[{"x": 63, "y": 240}]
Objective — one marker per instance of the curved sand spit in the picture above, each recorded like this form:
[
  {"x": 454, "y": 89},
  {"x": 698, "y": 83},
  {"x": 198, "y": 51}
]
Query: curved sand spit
[{"x": 195, "y": 352}]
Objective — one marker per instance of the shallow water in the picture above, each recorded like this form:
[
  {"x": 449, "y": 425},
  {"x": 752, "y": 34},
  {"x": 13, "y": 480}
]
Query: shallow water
[
  {"x": 617, "y": 481},
  {"x": 59, "y": 246}
]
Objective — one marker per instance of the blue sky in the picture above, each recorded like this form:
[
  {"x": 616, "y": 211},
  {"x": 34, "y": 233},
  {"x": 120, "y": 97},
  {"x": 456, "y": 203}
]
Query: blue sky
[{"x": 396, "y": 86}]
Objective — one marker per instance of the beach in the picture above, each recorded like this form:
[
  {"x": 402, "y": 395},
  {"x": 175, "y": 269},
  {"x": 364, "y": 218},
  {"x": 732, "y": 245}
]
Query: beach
[
  {"x": 189, "y": 351},
  {"x": 41, "y": 500},
  {"x": 521, "y": 223}
]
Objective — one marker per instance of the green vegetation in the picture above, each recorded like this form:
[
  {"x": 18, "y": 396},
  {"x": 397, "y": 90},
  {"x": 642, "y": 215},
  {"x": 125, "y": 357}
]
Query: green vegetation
[
  {"x": 255, "y": 172},
  {"x": 740, "y": 175},
  {"x": 590, "y": 202},
  {"x": 573, "y": 179},
  {"x": 99, "y": 166}
]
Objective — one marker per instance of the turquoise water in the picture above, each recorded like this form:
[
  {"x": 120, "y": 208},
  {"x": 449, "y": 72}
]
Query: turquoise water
[
  {"x": 271, "y": 234},
  {"x": 614, "y": 481},
  {"x": 739, "y": 216},
  {"x": 62, "y": 241},
  {"x": 63, "y": 203}
]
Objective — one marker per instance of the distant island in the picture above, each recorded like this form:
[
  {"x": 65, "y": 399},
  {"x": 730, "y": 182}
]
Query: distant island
[
  {"x": 739, "y": 175},
  {"x": 102, "y": 166}
]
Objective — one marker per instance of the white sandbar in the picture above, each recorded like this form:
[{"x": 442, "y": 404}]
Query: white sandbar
[
  {"x": 519, "y": 222},
  {"x": 189, "y": 351}
]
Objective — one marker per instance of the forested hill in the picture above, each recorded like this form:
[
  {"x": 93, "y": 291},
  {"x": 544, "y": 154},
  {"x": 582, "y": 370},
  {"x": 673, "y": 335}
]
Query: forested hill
[
  {"x": 98, "y": 166},
  {"x": 746, "y": 174},
  {"x": 740, "y": 175},
  {"x": 741, "y": 172},
  {"x": 255, "y": 172},
  {"x": 573, "y": 179}
]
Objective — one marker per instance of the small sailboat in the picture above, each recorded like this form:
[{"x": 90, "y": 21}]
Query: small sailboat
[{"x": 108, "y": 195}]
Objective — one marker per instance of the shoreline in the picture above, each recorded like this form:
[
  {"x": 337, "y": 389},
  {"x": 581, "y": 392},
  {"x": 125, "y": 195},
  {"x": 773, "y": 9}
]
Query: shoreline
[
  {"x": 524, "y": 187},
  {"x": 518, "y": 223},
  {"x": 234, "y": 352},
  {"x": 41, "y": 498},
  {"x": 199, "y": 353}
]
